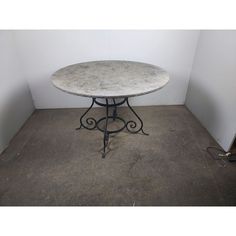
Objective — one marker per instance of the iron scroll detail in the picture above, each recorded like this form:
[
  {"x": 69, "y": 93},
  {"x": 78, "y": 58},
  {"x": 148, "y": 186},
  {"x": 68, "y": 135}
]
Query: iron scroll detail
[{"x": 101, "y": 124}]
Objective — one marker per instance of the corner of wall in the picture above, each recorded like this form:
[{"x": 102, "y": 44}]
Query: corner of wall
[
  {"x": 191, "y": 69},
  {"x": 16, "y": 104}
]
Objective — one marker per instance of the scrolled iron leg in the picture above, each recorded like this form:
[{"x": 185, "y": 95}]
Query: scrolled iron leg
[
  {"x": 114, "y": 110},
  {"x": 106, "y": 133},
  {"x": 90, "y": 122},
  {"x": 131, "y": 125}
]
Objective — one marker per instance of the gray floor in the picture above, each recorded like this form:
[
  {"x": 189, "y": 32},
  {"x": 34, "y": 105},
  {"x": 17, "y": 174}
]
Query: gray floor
[{"x": 49, "y": 163}]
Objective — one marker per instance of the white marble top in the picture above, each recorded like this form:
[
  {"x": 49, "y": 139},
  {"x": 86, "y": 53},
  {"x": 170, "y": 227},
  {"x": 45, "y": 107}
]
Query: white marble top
[{"x": 103, "y": 79}]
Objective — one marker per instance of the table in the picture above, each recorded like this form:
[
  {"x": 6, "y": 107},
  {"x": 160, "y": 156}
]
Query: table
[{"x": 115, "y": 82}]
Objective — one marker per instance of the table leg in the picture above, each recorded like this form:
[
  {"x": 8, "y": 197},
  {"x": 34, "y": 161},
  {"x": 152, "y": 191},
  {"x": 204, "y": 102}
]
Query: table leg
[
  {"x": 91, "y": 123},
  {"x": 106, "y": 132},
  {"x": 131, "y": 125},
  {"x": 114, "y": 109}
]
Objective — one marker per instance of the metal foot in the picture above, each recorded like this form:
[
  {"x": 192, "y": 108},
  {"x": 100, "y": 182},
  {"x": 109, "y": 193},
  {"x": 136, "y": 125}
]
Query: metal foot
[
  {"x": 144, "y": 133},
  {"x": 79, "y": 127}
]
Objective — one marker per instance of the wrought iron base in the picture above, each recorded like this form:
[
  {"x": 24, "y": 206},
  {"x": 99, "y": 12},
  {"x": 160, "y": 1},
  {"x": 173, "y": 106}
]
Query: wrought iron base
[{"x": 91, "y": 123}]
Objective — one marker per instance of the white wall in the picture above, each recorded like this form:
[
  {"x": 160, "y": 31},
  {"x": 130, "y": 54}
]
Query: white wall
[
  {"x": 44, "y": 52},
  {"x": 15, "y": 99},
  {"x": 212, "y": 89}
]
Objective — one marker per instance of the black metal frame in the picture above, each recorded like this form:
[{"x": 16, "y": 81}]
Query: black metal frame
[{"x": 90, "y": 123}]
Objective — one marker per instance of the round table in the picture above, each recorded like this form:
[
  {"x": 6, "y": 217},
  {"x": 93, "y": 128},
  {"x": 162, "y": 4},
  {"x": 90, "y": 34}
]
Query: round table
[{"x": 115, "y": 82}]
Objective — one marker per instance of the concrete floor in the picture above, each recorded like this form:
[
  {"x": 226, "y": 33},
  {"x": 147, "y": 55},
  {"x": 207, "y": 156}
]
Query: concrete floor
[{"x": 49, "y": 163}]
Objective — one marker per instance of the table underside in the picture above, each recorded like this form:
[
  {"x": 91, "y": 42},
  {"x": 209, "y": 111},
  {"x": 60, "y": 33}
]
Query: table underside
[{"x": 111, "y": 113}]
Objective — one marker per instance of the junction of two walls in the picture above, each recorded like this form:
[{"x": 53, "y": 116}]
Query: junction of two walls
[
  {"x": 212, "y": 89},
  {"x": 16, "y": 103}
]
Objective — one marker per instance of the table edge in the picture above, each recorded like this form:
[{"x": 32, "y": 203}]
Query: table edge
[{"x": 115, "y": 96}]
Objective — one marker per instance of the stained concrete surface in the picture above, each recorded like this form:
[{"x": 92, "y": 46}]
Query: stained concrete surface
[{"x": 48, "y": 163}]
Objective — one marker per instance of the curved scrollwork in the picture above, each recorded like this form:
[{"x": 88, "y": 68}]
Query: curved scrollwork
[
  {"x": 131, "y": 125},
  {"x": 90, "y": 123}
]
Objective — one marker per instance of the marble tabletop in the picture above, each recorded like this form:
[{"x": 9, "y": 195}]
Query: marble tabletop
[{"x": 110, "y": 79}]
